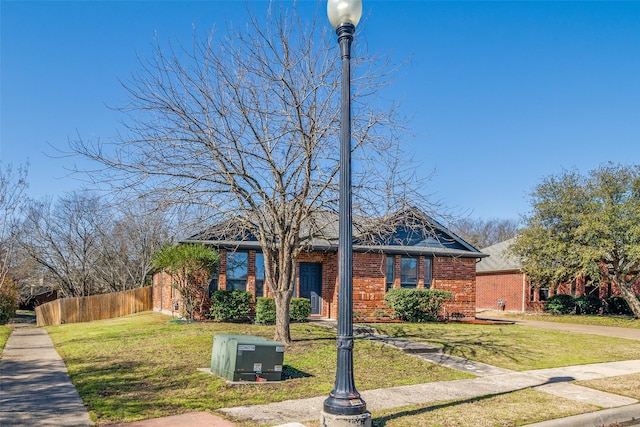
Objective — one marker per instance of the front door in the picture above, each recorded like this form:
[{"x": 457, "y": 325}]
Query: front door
[{"x": 311, "y": 285}]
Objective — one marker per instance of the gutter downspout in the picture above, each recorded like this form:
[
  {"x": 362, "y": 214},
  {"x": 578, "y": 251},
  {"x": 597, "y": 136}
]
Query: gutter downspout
[{"x": 524, "y": 285}]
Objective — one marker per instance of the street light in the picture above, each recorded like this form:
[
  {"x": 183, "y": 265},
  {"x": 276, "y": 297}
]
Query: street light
[{"x": 344, "y": 406}]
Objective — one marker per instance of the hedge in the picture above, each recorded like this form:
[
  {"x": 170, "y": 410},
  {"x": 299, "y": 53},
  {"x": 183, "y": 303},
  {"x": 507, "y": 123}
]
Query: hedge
[
  {"x": 416, "y": 305},
  {"x": 299, "y": 310}
]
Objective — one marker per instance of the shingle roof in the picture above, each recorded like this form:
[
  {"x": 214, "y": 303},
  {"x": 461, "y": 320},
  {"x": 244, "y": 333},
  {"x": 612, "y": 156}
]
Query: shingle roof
[
  {"x": 434, "y": 239},
  {"x": 499, "y": 258}
]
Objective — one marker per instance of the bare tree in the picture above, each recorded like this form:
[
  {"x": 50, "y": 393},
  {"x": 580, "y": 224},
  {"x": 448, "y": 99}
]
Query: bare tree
[
  {"x": 128, "y": 241},
  {"x": 13, "y": 185},
  {"x": 88, "y": 247},
  {"x": 243, "y": 129},
  {"x": 481, "y": 233},
  {"x": 64, "y": 239}
]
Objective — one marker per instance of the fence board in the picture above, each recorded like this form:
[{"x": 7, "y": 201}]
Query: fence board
[{"x": 95, "y": 307}]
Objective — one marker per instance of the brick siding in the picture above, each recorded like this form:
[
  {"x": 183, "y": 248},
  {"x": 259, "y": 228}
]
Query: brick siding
[{"x": 369, "y": 283}]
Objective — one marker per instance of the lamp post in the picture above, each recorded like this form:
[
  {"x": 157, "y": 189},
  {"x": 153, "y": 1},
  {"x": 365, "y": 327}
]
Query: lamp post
[{"x": 344, "y": 406}]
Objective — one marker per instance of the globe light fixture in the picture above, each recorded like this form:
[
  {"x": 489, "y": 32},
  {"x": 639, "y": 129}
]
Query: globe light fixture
[{"x": 344, "y": 406}]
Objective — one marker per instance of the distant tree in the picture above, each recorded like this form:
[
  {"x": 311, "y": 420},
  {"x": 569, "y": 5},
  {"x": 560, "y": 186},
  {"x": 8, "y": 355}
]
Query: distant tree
[
  {"x": 13, "y": 184},
  {"x": 481, "y": 233},
  {"x": 191, "y": 267},
  {"x": 64, "y": 238},
  {"x": 585, "y": 226},
  {"x": 243, "y": 130},
  {"x": 128, "y": 241},
  {"x": 87, "y": 247}
]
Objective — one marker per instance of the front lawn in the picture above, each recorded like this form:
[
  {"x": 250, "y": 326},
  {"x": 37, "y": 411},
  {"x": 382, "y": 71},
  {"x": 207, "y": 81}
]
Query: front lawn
[
  {"x": 144, "y": 366},
  {"x": 516, "y": 347}
]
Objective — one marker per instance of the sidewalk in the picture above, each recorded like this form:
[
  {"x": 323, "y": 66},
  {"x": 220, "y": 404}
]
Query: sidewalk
[{"x": 35, "y": 390}]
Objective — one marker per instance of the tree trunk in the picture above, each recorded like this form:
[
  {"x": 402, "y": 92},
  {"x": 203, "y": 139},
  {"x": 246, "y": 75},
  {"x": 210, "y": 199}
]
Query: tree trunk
[
  {"x": 630, "y": 297},
  {"x": 282, "y": 300}
]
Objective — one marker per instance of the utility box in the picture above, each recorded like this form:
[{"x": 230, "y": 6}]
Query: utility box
[{"x": 247, "y": 358}]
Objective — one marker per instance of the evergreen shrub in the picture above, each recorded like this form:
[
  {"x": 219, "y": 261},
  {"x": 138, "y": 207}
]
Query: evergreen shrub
[
  {"x": 588, "y": 304},
  {"x": 416, "y": 305},
  {"x": 560, "y": 304},
  {"x": 231, "y": 306}
]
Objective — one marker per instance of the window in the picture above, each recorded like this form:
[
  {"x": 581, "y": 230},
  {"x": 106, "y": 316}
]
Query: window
[
  {"x": 428, "y": 272},
  {"x": 213, "y": 283},
  {"x": 390, "y": 277},
  {"x": 259, "y": 275},
  {"x": 237, "y": 270},
  {"x": 408, "y": 272}
]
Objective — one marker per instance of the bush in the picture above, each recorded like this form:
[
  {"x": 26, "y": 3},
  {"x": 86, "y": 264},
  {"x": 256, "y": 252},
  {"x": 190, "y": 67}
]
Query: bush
[
  {"x": 617, "y": 305},
  {"x": 416, "y": 305},
  {"x": 231, "y": 306},
  {"x": 560, "y": 304},
  {"x": 265, "y": 311},
  {"x": 8, "y": 300},
  {"x": 299, "y": 310},
  {"x": 588, "y": 304}
]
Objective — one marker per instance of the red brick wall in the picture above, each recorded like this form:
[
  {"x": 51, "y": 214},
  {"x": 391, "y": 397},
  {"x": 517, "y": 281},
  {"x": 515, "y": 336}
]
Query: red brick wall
[
  {"x": 164, "y": 295},
  {"x": 457, "y": 275},
  {"x": 452, "y": 274},
  {"x": 505, "y": 287}
]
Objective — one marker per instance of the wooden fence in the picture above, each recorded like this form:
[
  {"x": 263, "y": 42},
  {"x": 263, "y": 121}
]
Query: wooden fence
[{"x": 96, "y": 307}]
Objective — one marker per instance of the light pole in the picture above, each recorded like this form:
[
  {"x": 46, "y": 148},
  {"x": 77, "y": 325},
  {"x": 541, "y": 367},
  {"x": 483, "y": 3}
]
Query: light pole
[{"x": 344, "y": 406}]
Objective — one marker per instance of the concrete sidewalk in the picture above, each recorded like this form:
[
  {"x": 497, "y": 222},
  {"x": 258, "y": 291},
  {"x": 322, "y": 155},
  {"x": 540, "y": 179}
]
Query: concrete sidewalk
[
  {"x": 554, "y": 381},
  {"x": 35, "y": 389}
]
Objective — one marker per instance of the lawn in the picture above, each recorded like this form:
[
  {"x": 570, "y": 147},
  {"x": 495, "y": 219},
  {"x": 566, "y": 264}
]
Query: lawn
[
  {"x": 517, "y": 347},
  {"x": 617, "y": 321},
  {"x": 4, "y": 335},
  {"x": 145, "y": 366}
]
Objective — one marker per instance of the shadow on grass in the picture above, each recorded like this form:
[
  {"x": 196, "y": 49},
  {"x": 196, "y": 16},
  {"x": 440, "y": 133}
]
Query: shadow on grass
[
  {"x": 382, "y": 421},
  {"x": 291, "y": 373},
  {"x": 465, "y": 345}
]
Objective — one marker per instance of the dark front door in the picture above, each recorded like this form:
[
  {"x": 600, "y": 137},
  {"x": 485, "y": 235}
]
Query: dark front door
[{"x": 311, "y": 284}]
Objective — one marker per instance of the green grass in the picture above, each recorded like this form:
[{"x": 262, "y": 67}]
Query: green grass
[
  {"x": 504, "y": 410},
  {"x": 143, "y": 366},
  {"x": 516, "y": 347},
  {"x": 4, "y": 335},
  {"x": 617, "y": 321}
]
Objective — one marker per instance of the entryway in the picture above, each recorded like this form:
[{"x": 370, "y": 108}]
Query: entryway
[{"x": 311, "y": 285}]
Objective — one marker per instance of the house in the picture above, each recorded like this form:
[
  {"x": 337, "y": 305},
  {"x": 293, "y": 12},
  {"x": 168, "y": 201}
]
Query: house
[
  {"x": 502, "y": 285},
  {"x": 418, "y": 253}
]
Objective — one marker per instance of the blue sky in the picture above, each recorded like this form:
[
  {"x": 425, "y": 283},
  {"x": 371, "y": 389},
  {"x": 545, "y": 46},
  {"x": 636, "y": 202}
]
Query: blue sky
[{"x": 501, "y": 94}]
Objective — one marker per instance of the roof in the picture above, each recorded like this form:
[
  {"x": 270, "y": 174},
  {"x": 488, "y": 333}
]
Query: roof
[
  {"x": 421, "y": 235},
  {"x": 499, "y": 258}
]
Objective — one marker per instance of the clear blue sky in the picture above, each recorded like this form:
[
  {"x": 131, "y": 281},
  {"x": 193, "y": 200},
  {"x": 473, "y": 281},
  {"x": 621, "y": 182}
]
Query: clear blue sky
[{"x": 501, "y": 94}]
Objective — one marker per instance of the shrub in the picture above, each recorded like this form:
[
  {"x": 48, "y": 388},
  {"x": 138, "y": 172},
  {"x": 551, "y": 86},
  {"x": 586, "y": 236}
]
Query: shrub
[
  {"x": 299, "y": 310},
  {"x": 8, "y": 300},
  {"x": 588, "y": 304},
  {"x": 416, "y": 305},
  {"x": 560, "y": 304},
  {"x": 265, "y": 311},
  {"x": 617, "y": 305},
  {"x": 231, "y": 306}
]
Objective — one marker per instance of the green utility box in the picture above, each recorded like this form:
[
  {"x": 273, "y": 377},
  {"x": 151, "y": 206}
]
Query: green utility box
[{"x": 247, "y": 358}]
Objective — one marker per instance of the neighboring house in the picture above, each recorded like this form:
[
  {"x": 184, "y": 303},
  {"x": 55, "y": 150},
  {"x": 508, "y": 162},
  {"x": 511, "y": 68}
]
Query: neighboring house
[
  {"x": 501, "y": 284},
  {"x": 411, "y": 256}
]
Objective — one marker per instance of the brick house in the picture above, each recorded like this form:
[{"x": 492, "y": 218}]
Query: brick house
[
  {"x": 433, "y": 257},
  {"x": 501, "y": 284}
]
